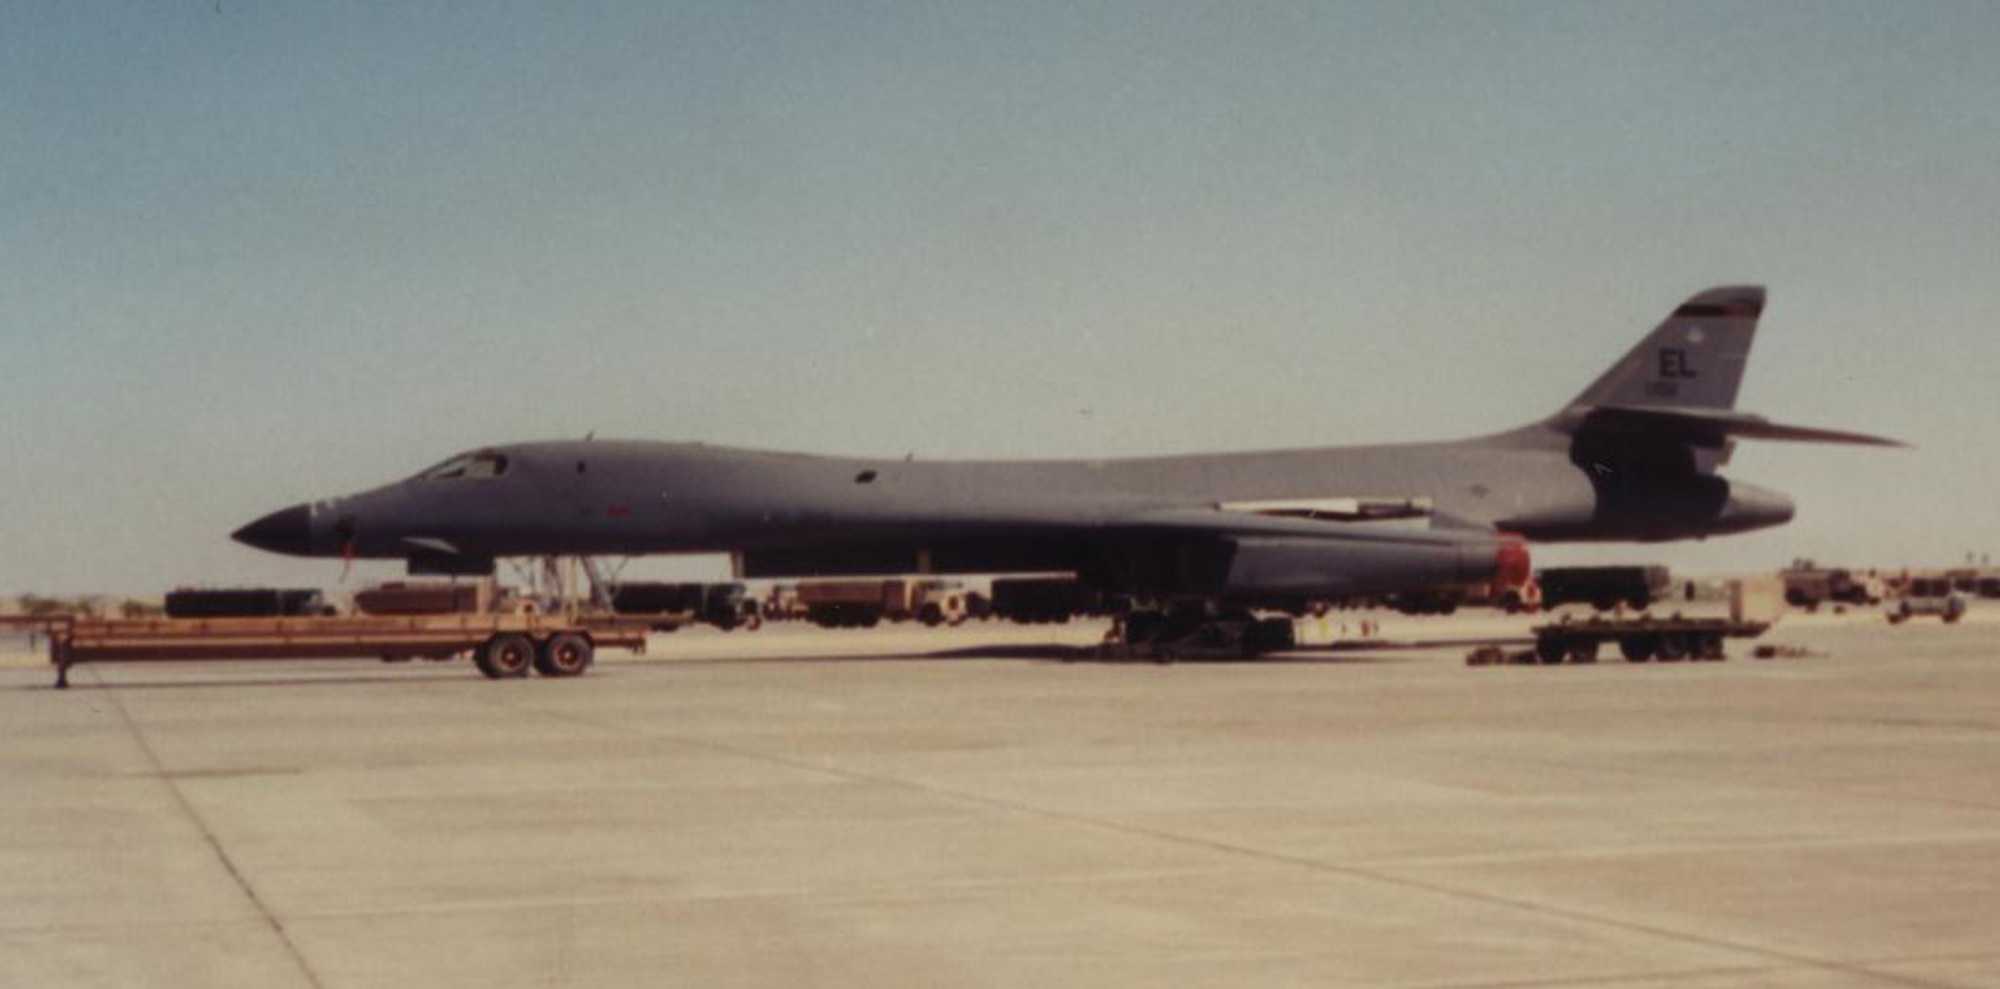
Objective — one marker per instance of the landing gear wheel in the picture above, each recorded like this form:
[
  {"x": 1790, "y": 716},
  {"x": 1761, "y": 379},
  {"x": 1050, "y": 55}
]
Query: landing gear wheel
[
  {"x": 1142, "y": 627},
  {"x": 505, "y": 656},
  {"x": 566, "y": 654},
  {"x": 1271, "y": 635}
]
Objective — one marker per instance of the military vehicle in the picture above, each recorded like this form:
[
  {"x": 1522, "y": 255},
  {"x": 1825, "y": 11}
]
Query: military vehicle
[
  {"x": 1928, "y": 597},
  {"x": 1603, "y": 588}
]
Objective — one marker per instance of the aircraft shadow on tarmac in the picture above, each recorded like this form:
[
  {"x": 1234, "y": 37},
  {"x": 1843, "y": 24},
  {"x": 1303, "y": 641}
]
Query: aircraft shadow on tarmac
[{"x": 1058, "y": 654}]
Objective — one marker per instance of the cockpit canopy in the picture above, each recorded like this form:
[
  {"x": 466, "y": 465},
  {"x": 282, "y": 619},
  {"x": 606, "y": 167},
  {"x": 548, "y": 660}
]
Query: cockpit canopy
[{"x": 480, "y": 465}]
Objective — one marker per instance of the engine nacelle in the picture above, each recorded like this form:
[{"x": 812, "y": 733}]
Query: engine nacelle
[
  {"x": 1333, "y": 568},
  {"x": 1646, "y": 508}
]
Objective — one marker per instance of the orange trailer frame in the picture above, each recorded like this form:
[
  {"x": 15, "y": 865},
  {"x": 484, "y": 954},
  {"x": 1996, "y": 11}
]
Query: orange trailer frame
[{"x": 503, "y": 645}]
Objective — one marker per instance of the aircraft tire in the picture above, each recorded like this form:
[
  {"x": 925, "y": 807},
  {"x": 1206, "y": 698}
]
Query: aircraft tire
[
  {"x": 565, "y": 654},
  {"x": 1271, "y": 635},
  {"x": 1142, "y": 627},
  {"x": 505, "y": 656}
]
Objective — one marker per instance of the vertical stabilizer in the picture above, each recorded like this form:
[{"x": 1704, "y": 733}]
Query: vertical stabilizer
[{"x": 1694, "y": 359}]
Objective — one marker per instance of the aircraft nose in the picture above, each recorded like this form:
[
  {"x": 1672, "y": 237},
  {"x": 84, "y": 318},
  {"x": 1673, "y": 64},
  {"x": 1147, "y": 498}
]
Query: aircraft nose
[{"x": 287, "y": 530}]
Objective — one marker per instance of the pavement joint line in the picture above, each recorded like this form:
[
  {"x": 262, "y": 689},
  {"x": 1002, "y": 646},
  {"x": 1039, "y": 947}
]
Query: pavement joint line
[
  {"x": 187, "y": 807},
  {"x": 1246, "y": 851}
]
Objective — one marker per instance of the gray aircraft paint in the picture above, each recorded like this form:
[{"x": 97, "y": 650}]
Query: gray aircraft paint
[{"x": 1632, "y": 457}]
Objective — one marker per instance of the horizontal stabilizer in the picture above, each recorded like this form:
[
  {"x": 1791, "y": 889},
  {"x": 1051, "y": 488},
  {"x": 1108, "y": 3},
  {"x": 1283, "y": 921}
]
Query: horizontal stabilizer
[{"x": 1714, "y": 427}]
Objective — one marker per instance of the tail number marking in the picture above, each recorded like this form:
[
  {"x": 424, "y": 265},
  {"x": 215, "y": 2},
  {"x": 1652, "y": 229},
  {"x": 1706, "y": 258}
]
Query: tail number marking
[{"x": 1674, "y": 364}]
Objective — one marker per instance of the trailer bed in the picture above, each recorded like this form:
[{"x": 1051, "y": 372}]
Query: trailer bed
[
  {"x": 1642, "y": 638},
  {"x": 503, "y": 645}
]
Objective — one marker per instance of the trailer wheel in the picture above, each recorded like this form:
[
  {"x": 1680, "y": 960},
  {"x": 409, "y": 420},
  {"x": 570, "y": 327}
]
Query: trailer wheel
[
  {"x": 1583, "y": 651},
  {"x": 1638, "y": 648},
  {"x": 1550, "y": 649},
  {"x": 1712, "y": 648},
  {"x": 504, "y": 656},
  {"x": 566, "y": 654}
]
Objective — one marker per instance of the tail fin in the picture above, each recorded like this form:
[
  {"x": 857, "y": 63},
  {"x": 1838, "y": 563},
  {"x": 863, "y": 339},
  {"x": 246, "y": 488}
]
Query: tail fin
[
  {"x": 1670, "y": 403},
  {"x": 1693, "y": 360}
]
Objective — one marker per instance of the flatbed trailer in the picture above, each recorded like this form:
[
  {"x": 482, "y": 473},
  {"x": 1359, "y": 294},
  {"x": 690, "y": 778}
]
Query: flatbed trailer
[
  {"x": 1641, "y": 638},
  {"x": 502, "y": 645}
]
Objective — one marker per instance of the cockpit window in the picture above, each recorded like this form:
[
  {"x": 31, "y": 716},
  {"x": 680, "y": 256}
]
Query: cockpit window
[{"x": 480, "y": 466}]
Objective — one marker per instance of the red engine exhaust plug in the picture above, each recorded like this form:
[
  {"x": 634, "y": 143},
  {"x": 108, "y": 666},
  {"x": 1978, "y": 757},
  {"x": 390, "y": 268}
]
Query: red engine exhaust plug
[{"x": 1511, "y": 566}]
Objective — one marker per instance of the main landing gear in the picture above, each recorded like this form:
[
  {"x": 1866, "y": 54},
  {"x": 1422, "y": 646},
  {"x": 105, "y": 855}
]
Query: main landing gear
[{"x": 1195, "y": 630}]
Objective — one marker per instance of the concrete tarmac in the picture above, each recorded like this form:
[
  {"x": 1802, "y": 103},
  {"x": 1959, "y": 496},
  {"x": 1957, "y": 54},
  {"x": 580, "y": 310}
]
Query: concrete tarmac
[{"x": 918, "y": 808}]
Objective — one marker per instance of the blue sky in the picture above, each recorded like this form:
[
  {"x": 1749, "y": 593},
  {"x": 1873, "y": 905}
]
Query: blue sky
[{"x": 268, "y": 252}]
